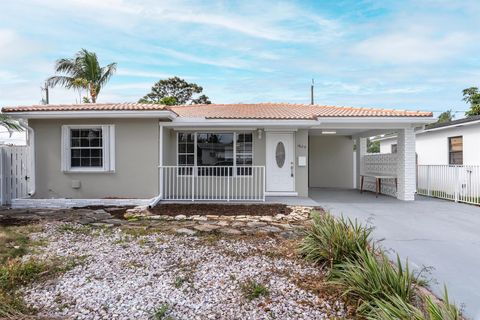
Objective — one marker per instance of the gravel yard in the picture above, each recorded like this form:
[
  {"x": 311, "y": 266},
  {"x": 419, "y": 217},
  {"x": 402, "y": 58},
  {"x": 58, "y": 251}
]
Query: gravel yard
[{"x": 134, "y": 274}]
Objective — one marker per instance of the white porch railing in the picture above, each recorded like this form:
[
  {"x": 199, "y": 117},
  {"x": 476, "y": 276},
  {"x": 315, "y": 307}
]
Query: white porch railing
[
  {"x": 227, "y": 183},
  {"x": 456, "y": 183}
]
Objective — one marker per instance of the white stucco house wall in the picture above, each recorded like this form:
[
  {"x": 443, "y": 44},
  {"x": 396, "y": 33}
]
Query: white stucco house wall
[
  {"x": 214, "y": 152},
  {"x": 449, "y": 143}
]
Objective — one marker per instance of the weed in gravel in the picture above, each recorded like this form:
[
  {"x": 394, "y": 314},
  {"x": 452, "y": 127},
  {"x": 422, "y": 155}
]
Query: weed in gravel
[
  {"x": 142, "y": 242},
  {"x": 138, "y": 232},
  {"x": 16, "y": 272},
  {"x": 122, "y": 241},
  {"x": 209, "y": 238},
  {"x": 253, "y": 290},
  {"x": 15, "y": 241},
  {"x": 73, "y": 228},
  {"x": 179, "y": 281},
  {"x": 160, "y": 313}
]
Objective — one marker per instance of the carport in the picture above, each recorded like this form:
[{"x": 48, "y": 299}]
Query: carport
[{"x": 337, "y": 153}]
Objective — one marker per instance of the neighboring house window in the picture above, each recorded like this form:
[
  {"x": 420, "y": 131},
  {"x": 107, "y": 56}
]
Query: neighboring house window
[
  {"x": 394, "y": 148},
  {"x": 455, "y": 150},
  {"x": 88, "y": 148},
  {"x": 216, "y": 150}
]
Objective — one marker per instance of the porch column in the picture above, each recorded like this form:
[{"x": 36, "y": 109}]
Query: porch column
[
  {"x": 361, "y": 150},
  {"x": 406, "y": 171}
]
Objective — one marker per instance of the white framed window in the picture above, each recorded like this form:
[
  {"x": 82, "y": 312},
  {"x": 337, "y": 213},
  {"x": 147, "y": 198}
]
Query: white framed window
[
  {"x": 215, "y": 149},
  {"x": 88, "y": 148},
  {"x": 244, "y": 152}
]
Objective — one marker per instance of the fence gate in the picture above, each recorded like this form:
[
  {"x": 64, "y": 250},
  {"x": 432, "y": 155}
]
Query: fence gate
[{"x": 14, "y": 173}]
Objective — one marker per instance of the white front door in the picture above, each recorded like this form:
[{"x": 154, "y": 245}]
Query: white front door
[{"x": 280, "y": 162}]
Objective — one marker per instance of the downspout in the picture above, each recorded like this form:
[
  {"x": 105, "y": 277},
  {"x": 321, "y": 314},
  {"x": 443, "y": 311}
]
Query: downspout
[
  {"x": 31, "y": 153},
  {"x": 159, "y": 197}
]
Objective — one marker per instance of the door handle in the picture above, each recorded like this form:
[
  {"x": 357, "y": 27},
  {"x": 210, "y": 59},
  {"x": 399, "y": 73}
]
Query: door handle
[{"x": 291, "y": 169}]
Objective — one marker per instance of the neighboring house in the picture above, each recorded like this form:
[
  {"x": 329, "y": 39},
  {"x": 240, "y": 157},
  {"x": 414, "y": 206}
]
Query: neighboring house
[
  {"x": 206, "y": 152},
  {"x": 449, "y": 143}
]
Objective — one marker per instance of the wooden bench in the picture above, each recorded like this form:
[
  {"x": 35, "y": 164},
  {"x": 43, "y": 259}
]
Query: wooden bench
[{"x": 378, "y": 181}]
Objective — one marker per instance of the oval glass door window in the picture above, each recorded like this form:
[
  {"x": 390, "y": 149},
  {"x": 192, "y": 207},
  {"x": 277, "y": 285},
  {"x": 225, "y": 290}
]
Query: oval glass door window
[{"x": 280, "y": 154}]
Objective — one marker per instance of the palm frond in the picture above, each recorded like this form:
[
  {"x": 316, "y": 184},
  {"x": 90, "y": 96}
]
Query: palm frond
[
  {"x": 9, "y": 123},
  {"x": 67, "y": 66},
  {"x": 64, "y": 81},
  {"x": 105, "y": 74}
]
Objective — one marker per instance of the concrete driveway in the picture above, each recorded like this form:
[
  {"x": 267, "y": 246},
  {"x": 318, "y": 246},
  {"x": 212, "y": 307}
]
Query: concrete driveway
[{"x": 430, "y": 232}]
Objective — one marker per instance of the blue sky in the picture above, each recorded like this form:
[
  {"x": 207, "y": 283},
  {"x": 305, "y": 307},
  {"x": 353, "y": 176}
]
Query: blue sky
[{"x": 392, "y": 54}]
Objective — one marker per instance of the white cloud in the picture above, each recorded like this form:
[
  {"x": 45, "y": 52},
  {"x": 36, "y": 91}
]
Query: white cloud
[
  {"x": 10, "y": 77},
  {"x": 267, "y": 20},
  {"x": 412, "y": 47},
  {"x": 229, "y": 62},
  {"x": 12, "y": 46},
  {"x": 142, "y": 74}
]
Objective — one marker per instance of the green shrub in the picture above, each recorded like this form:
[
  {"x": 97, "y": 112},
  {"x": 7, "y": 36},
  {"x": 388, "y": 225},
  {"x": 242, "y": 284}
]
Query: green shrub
[
  {"x": 253, "y": 290},
  {"x": 443, "y": 310},
  {"x": 393, "y": 308},
  {"x": 370, "y": 279},
  {"x": 330, "y": 241}
]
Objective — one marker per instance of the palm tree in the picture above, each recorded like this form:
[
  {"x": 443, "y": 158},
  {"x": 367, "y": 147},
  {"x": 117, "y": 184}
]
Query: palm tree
[{"x": 82, "y": 72}]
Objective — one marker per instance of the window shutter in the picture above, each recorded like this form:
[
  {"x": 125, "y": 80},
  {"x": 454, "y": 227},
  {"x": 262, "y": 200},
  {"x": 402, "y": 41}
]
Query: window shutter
[
  {"x": 65, "y": 147},
  {"x": 108, "y": 132}
]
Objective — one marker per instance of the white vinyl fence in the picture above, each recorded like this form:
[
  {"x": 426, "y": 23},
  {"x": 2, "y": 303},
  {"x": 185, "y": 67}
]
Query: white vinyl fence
[
  {"x": 456, "y": 183},
  {"x": 14, "y": 173},
  {"x": 227, "y": 183}
]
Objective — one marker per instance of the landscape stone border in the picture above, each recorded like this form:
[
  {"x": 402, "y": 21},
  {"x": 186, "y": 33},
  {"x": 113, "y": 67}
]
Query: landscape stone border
[{"x": 286, "y": 226}]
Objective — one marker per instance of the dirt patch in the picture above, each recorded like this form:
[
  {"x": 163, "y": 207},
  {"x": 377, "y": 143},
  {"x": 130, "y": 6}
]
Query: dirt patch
[
  {"x": 12, "y": 221},
  {"x": 173, "y": 209}
]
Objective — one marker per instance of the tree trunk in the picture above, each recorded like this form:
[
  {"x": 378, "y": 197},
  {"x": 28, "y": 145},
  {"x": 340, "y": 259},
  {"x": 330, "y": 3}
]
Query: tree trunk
[{"x": 93, "y": 93}]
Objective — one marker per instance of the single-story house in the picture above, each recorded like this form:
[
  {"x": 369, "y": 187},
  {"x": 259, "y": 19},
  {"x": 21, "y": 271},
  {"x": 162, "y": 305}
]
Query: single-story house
[
  {"x": 447, "y": 143},
  {"x": 220, "y": 152}
]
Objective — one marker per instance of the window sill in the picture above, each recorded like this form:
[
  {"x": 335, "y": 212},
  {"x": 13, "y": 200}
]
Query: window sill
[{"x": 88, "y": 170}]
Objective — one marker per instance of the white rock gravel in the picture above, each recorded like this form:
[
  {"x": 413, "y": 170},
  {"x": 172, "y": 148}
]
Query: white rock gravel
[{"x": 126, "y": 277}]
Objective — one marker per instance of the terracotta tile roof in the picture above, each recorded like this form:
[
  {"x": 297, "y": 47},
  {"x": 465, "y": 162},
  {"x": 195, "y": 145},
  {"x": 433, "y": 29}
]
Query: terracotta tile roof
[
  {"x": 232, "y": 111},
  {"x": 86, "y": 107},
  {"x": 285, "y": 111}
]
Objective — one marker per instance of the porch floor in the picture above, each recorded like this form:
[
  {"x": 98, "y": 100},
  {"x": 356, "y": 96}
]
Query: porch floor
[{"x": 430, "y": 232}]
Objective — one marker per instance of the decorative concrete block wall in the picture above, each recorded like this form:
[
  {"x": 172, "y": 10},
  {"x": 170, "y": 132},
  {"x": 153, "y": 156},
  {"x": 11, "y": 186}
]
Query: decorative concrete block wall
[{"x": 385, "y": 164}]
